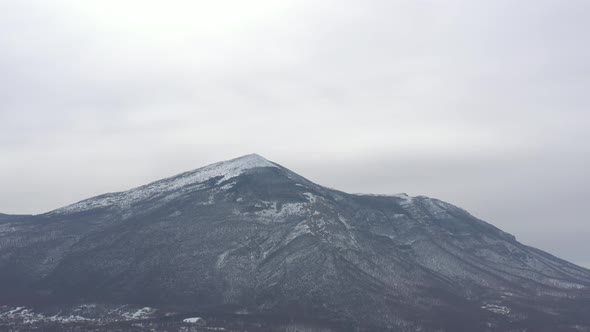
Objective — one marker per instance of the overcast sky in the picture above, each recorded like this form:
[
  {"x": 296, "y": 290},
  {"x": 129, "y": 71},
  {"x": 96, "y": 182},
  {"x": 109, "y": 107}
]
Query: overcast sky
[{"x": 484, "y": 104}]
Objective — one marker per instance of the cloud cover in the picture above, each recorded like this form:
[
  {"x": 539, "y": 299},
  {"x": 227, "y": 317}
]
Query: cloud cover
[{"x": 483, "y": 104}]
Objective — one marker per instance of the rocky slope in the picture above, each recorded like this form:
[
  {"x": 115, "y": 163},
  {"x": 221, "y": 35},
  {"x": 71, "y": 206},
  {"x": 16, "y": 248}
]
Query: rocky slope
[{"x": 249, "y": 237}]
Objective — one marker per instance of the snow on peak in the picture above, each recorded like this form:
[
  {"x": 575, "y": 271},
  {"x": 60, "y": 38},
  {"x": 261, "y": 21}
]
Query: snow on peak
[
  {"x": 169, "y": 187},
  {"x": 247, "y": 161},
  {"x": 225, "y": 169}
]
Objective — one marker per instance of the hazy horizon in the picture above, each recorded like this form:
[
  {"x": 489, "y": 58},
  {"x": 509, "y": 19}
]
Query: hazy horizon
[{"x": 480, "y": 104}]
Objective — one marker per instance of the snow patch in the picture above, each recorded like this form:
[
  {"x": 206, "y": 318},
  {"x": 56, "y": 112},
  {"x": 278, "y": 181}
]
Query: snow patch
[
  {"x": 301, "y": 229},
  {"x": 565, "y": 284},
  {"x": 403, "y": 196},
  {"x": 287, "y": 209},
  {"x": 311, "y": 197},
  {"x": 6, "y": 228},
  {"x": 498, "y": 309},
  {"x": 221, "y": 259},
  {"x": 139, "y": 314}
]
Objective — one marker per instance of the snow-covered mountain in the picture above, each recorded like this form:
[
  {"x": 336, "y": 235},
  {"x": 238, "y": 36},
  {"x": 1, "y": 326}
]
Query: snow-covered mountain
[{"x": 249, "y": 237}]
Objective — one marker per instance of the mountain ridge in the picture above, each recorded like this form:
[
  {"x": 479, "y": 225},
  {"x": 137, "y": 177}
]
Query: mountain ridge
[{"x": 243, "y": 163}]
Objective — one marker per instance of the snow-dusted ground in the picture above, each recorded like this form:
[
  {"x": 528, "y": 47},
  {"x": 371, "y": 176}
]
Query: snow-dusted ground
[
  {"x": 83, "y": 313},
  {"x": 139, "y": 314}
]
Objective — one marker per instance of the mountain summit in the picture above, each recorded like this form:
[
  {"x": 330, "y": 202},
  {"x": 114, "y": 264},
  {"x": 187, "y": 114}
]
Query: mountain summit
[
  {"x": 169, "y": 187},
  {"x": 249, "y": 238}
]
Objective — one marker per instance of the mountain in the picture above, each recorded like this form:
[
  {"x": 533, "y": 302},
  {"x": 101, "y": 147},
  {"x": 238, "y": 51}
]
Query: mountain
[{"x": 249, "y": 238}]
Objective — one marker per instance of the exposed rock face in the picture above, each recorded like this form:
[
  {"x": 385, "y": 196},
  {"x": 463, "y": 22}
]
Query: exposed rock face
[{"x": 250, "y": 236}]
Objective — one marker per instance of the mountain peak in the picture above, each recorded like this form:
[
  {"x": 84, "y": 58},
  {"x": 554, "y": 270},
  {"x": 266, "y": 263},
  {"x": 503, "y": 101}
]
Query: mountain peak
[
  {"x": 226, "y": 169},
  {"x": 223, "y": 171},
  {"x": 248, "y": 160}
]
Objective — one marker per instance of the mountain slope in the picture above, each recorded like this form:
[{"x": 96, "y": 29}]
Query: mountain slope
[{"x": 250, "y": 236}]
